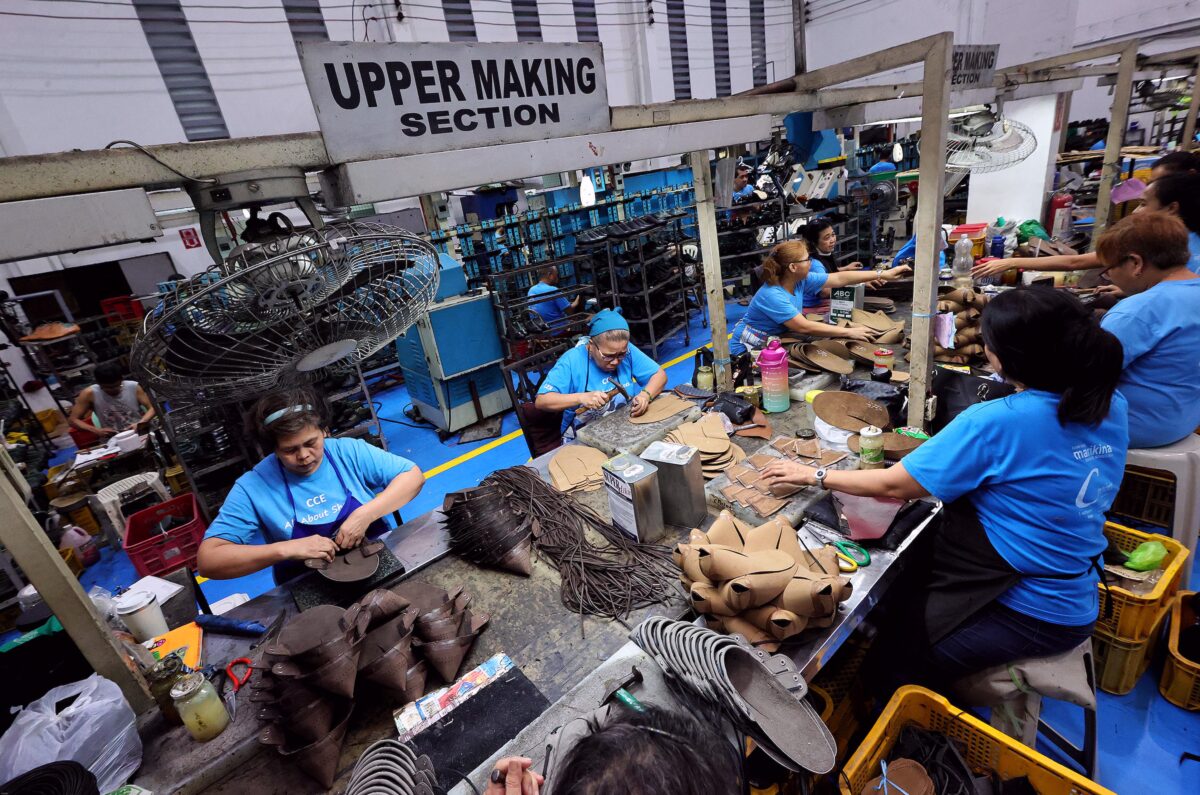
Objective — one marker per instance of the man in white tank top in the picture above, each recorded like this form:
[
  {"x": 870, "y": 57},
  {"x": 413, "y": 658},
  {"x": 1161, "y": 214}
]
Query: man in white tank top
[{"x": 118, "y": 405}]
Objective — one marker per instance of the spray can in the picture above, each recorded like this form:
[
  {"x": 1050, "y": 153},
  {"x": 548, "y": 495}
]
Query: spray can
[{"x": 773, "y": 364}]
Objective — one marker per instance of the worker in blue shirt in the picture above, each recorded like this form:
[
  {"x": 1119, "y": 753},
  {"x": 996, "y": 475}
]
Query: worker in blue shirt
[
  {"x": 1026, "y": 480},
  {"x": 555, "y": 308},
  {"x": 743, "y": 191},
  {"x": 778, "y": 306},
  {"x": 311, "y": 497},
  {"x": 579, "y": 379},
  {"x": 1158, "y": 324}
]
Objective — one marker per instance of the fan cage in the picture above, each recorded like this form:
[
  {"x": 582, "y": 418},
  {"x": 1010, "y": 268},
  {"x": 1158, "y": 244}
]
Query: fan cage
[{"x": 1007, "y": 143}]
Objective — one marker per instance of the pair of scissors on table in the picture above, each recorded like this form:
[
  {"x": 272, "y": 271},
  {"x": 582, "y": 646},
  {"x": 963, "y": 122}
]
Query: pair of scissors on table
[{"x": 851, "y": 556}]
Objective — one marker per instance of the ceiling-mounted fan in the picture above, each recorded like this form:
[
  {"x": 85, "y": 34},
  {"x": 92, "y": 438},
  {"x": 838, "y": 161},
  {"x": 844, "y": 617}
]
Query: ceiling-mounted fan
[{"x": 986, "y": 140}]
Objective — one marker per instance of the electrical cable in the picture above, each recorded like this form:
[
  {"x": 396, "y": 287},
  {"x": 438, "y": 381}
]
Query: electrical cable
[{"x": 168, "y": 167}]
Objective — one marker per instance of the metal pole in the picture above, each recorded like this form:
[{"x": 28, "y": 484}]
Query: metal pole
[
  {"x": 1118, "y": 119},
  {"x": 706, "y": 227},
  {"x": 799, "y": 46},
  {"x": 935, "y": 117},
  {"x": 45, "y": 568},
  {"x": 1189, "y": 124}
]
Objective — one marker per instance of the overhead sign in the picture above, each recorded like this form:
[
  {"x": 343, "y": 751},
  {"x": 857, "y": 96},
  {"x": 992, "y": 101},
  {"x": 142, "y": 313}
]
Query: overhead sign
[
  {"x": 384, "y": 100},
  {"x": 974, "y": 65}
]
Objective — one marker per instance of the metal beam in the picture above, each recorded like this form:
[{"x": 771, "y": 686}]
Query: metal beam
[
  {"x": 799, "y": 45},
  {"x": 1183, "y": 56},
  {"x": 710, "y": 253},
  {"x": 935, "y": 121},
  {"x": 1189, "y": 123},
  {"x": 1066, "y": 59},
  {"x": 1118, "y": 120},
  {"x": 53, "y": 225}
]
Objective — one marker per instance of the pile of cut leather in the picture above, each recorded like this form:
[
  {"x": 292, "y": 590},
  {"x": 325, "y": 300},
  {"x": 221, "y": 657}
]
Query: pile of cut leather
[
  {"x": 758, "y": 582},
  {"x": 483, "y": 529},
  {"x": 967, "y": 307},
  {"x": 576, "y": 468},
  {"x": 884, "y": 330},
  {"x": 717, "y": 451},
  {"x": 666, "y": 405},
  {"x": 830, "y": 356},
  {"x": 745, "y": 479},
  {"x": 313, "y": 666}
]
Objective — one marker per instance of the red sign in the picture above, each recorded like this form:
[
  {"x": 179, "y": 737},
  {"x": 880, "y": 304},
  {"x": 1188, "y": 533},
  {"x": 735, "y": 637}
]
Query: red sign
[{"x": 190, "y": 237}]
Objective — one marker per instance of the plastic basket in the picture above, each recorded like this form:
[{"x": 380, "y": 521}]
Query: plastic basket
[
  {"x": 983, "y": 747},
  {"x": 121, "y": 309},
  {"x": 153, "y": 553},
  {"x": 1180, "y": 681},
  {"x": 840, "y": 680},
  {"x": 1134, "y": 615},
  {"x": 1120, "y": 663},
  {"x": 1147, "y": 495},
  {"x": 177, "y": 481}
]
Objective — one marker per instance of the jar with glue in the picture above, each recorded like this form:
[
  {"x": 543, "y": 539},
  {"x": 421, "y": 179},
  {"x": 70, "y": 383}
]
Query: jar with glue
[
  {"x": 885, "y": 360},
  {"x": 870, "y": 448},
  {"x": 200, "y": 707},
  {"x": 162, "y": 677},
  {"x": 704, "y": 378}
]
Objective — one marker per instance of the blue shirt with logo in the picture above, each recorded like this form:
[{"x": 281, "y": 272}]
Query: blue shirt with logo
[
  {"x": 1040, "y": 489},
  {"x": 1159, "y": 330},
  {"x": 553, "y": 309},
  {"x": 773, "y": 306},
  {"x": 258, "y": 509},
  {"x": 576, "y": 371}
]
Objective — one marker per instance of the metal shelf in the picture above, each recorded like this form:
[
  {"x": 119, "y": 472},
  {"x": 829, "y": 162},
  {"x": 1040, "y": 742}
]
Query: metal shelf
[
  {"x": 211, "y": 468},
  {"x": 746, "y": 253},
  {"x": 658, "y": 314}
]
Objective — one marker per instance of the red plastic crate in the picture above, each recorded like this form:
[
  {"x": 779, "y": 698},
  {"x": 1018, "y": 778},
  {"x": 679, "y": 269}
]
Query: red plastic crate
[
  {"x": 154, "y": 554},
  {"x": 122, "y": 309}
]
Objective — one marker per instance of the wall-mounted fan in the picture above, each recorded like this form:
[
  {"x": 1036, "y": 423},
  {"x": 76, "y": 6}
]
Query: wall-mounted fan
[{"x": 987, "y": 141}]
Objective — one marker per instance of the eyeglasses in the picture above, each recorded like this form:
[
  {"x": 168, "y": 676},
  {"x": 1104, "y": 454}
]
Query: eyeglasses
[
  {"x": 611, "y": 357},
  {"x": 800, "y": 261}
]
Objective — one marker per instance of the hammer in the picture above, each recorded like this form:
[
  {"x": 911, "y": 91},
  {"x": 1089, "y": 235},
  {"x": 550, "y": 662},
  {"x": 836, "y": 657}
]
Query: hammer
[{"x": 618, "y": 688}]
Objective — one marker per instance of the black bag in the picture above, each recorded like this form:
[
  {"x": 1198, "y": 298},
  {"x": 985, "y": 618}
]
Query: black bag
[
  {"x": 891, "y": 396},
  {"x": 735, "y": 407},
  {"x": 957, "y": 391}
]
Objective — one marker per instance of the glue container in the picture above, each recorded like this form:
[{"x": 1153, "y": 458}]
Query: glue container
[
  {"x": 773, "y": 364},
  {"x": 201, "y": 709},
  {"x": 870, "y": 446}
]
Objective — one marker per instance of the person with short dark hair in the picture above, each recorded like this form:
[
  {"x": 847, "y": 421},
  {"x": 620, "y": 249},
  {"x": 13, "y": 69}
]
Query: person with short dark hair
[
  {"x": 1146, "y": 256},
  {"x": 555, "y": 308},
  {"x": 743, "y": 191},
  {"x": 1026, "y": 480},
  {"x": 117, "y": 403},
  {"x": 311, "y": 497},
  {"x": 1175, "y": 163},
  {"x": 1178, "y": 195}
]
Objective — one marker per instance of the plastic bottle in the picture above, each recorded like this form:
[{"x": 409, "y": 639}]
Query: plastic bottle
[
  {"x": 773, "y": 364},
  {"x": 997, "y": 249},
  {"x": 963, "y": 262}
]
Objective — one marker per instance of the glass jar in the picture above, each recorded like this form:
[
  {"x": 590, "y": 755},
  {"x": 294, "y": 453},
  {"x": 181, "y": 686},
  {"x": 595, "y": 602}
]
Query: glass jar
[
  {"x": 200, "y": 707},
  {"x": 162, "y": 677},
  {"x": 870, "y": 448},
  {"x": 885, "y": 360},
  {"x": 704, "y": 378}
]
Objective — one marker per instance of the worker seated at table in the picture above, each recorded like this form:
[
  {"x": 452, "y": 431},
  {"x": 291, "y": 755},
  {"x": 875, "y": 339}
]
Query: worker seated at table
[
  {"x": 311, "y": 497},
  {"x": 555, "y": 308},
  {"x": 580, "y": 378},
  {"x": 778, "y": 306},
  {"x": 1174, "y": 189},
  {"x": 118, "y": 405},
  {"x": 1146, "y": 256},
  {"x": 1026, "y": 480}
]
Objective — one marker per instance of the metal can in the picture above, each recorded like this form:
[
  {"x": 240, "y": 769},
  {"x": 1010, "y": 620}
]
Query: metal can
[{"x": 870, "y": 448}]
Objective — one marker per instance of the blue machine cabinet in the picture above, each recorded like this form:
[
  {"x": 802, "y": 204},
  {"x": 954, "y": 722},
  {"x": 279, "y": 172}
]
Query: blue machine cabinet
[{"x": 450, "y": 351}]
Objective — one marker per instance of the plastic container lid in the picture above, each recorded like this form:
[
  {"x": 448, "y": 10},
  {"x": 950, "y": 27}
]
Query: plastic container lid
[
  {"x": 773, "y": 354},
  {"x": 186, "y": 685},
  {"x": 133, "y": 601},
  {"x": 871, "y": 430}
]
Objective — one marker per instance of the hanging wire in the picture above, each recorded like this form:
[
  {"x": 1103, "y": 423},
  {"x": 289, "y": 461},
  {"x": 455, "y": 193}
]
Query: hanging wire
[{"x": 167, "y": 166}]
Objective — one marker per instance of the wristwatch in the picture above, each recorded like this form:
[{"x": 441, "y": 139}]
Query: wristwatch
[{"x": 820, "y": 476}]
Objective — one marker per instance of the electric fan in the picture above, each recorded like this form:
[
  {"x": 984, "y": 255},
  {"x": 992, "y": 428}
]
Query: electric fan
[
  {"x": 289, "y": 308},
  {"x": 987, "y": 141}
]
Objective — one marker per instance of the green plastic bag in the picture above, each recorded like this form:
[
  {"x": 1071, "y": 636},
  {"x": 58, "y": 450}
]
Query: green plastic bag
[
  {"x": 1031, "y": 228},
  {"x": 49, "y": 628},
  {"x": 1147, "y": 557}
]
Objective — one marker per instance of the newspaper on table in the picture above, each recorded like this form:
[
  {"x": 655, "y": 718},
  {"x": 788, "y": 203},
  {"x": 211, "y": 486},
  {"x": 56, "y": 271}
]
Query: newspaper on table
[{"x": 413, "y": 718}]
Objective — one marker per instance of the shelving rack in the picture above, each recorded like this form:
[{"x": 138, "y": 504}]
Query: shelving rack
[{"x": 735, "y": 266}]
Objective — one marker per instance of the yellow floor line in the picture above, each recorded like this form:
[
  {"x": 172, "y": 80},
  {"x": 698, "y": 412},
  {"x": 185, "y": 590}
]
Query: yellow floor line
[{"x": 440, "y": 468}]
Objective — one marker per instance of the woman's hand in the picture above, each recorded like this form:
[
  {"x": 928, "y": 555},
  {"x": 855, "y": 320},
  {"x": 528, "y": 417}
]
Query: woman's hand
[
  {"x": 853, "y": 266},
  {"x": 513, "y": 776},
  {"x": 309, "y": 548},
  {"x": 898, "y": 272},
  {"x": 353, "y": 530},
  {"x": 105, "y": 432},
  {"x": 859, "y": 334},
  {"x": 994, "y": 268},
  {"x": 1110, "y": 289},
  {"x": 593, "y": 400},
  {"x": 641, "y": 402},
  {"x": 788, "y": 473}
]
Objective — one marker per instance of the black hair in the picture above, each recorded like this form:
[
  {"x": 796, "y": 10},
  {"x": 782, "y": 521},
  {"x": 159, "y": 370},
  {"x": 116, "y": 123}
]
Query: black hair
[
  {"x": 650, "y": 753},
  {"x": 1179, "y": 163},
  {"x": 313, "y": 412},
  {"x": 1182, "y": 189},
  {"x": 811, "y": 232},
  {"x": 108, "y": 373},
  {"x": 1047, "y": 339}
]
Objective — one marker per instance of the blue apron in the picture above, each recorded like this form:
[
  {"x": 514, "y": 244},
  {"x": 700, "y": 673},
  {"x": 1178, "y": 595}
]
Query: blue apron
[{"x": 290, "y": 569}]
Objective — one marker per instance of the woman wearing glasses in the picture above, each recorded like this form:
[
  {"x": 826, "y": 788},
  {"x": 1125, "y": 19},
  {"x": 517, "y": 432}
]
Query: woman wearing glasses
[
  {"x": 580, "y": 379},
  {"x": 778, "y": 306}
]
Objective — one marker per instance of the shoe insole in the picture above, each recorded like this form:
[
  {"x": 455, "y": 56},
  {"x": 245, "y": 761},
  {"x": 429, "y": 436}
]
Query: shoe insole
[{"x": 665, "y": 405}]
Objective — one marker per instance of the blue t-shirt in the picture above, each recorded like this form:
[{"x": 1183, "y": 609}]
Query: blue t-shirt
[
  {"x": 576, "y": 371},
  {"x": 258, "y": 510},
  {"x": 773, "y": 306},
  {"x": 551, "y": 310},
  {"x": 744, "y": 193},
  {"x": 1194, "y": 250},
  {"x": 1160, "y": 332},
  {"x": 1040, "y": 489},
  {"x": 816, "y": 269}
]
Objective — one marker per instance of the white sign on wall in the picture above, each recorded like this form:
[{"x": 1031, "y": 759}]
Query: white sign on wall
[
  {"x": 387, "y": 100},
  {"x": 974, "y": 65}
]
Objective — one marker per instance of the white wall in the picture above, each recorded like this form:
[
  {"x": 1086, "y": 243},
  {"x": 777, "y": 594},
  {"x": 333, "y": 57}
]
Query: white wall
[{"x": 1018, "y": 192}]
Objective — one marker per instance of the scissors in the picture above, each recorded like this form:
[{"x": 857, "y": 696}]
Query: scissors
[{"x": 851, "y": 556}]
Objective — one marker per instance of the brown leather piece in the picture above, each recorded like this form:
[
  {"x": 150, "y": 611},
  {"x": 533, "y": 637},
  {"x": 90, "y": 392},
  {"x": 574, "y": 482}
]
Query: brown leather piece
[
  {"x": 827, "y": 361},
  {"x": 577, "y": 468},
  {"x": 849, "y": 411},
  {"x": 668, "y": 404},
  {"x": 903, "y": 775}
]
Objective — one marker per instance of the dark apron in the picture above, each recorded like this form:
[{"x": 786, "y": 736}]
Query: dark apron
[
  {"x": 967, "y": 573},
  {"x": 290, "y": 569}
]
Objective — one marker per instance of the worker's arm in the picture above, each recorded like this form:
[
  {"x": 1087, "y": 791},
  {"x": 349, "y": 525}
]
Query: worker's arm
[
  {"x": 563, "y": 401},
  {"x": 403, "y": 488},
  {"x": 848, "y": 278},
  {"x": 818, "y": 329},
  {"x": 222, "y": 559},
  {"x": 654, "y": 388},
  {"x": 892, "y": 482},
  {"x": 144, "y": 400},
  {"x": 1059, "y": 262},
  {"x": 83, "y": 408}
]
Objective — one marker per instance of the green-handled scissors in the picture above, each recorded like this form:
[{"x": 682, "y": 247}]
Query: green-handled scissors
[{"x": 851, "y": 553}]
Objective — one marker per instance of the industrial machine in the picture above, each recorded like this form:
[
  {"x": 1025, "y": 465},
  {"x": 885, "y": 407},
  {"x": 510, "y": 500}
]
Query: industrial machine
[{"x": 452, "y": 356}]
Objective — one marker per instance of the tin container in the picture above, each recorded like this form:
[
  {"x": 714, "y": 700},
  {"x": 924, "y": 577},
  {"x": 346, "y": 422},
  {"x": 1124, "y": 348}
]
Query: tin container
[
  {"x": 680, "y": 483},
  {"x": 633, "y": 497}
]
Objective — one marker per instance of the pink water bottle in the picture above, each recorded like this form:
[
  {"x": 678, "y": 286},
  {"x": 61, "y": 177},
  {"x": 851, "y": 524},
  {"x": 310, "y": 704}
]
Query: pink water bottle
[{"x": 773, "y": 364}]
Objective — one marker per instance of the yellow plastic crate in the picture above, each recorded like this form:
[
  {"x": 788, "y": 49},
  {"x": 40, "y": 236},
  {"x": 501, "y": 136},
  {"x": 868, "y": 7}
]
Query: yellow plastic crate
[
  {"x": 1147, "y": 495},
  {"x": 1134, "y": 615},
  {"x": 984, "y": 748},
  {"x": 72, "y": 560},
  {"x": 1180, "y": 681},
  {"x": 1120, "y": 663}
]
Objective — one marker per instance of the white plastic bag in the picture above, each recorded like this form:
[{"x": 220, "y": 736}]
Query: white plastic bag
[{"x": 97, "y": 729}]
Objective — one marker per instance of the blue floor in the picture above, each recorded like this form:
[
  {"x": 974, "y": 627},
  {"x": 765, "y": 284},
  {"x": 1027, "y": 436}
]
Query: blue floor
[{"x": 1141, "y": 736}]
